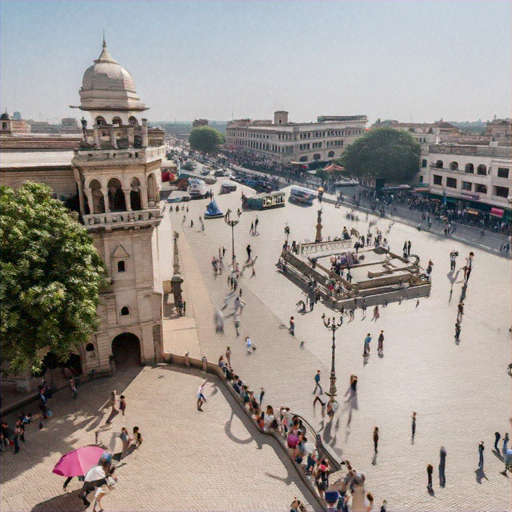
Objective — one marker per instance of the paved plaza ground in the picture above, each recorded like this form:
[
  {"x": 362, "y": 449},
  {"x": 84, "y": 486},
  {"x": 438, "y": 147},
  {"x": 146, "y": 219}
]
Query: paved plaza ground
[
  {"x": 461, "y": 392},
  {"x": 215, "y": 460}
]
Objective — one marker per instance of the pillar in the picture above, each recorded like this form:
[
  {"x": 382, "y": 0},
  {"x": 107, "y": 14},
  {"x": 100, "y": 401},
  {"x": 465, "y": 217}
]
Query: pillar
[
  {"x": 131, "y": 136},
  {"x": 88, "y": 194},
  {"x": 144, "y": 196},
  {"x": 127, "y": 199},
  {"x": 105, "y": 199},
  {"x": 145, "y": 136},
  {"x": 96, "y": 132},
  {"x": 78, "y": 179},
  {"x": 113, "y": 136}
]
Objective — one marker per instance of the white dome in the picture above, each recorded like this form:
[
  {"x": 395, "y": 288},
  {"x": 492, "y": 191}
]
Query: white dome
[{"x": 108, "y": 86}]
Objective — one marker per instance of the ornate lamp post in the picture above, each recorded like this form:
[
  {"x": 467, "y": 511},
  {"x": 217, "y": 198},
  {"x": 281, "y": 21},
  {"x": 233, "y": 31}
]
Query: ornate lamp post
[
  {"x": 332, "y": 326},
  {"x": 232, "y": 223}
]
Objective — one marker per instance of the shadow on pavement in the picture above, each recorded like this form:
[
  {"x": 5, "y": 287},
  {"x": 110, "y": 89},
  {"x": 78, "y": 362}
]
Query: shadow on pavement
[{"x": 68, "y": 502}]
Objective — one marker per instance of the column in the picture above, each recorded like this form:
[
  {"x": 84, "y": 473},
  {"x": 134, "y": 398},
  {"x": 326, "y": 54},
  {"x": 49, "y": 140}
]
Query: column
[
  {"x": 131, "y": 136},
  {"x": 105, "y": 199},
  {"x": 145, "y": 136},
  {"x": 144, "y": 196},
  {"x": 96, "y": 132},
  {"x": 88, "y": 194},
  {"x": 78, "y": 179},
  {"x": 113, "y": 137},
  {"x": 127, "y": 199}
]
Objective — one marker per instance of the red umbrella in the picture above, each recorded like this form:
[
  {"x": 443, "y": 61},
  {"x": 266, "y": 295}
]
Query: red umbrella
[{"x": 78, "y": 462}]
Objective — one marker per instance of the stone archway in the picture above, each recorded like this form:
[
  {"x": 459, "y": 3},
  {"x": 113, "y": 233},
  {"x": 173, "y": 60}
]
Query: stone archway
[{"x": 126, "y": 350}]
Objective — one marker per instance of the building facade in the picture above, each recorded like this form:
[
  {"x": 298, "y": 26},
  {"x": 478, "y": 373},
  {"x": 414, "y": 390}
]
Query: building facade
[
  {"x": 283, "y": 142},
  {"x": 117, "y": 172},
  {"x": 470, "y": 176}
]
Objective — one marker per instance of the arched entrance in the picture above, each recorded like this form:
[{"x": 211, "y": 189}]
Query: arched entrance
[{"x": 126, "y": 350}]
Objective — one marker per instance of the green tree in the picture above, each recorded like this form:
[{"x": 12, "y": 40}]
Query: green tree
[
  {"x": 205, "y": 139},
  {"x": 51, "y": 278},
  {"x": 383, "y": 153}
]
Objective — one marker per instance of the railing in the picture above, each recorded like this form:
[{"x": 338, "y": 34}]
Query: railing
[
  {"x": 101, "y": 219},
  {"x": 331, "y": 245}
]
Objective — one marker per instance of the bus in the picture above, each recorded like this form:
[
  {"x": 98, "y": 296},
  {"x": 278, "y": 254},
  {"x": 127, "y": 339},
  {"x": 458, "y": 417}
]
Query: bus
[
  {"x": 302, "y": 195},
  {"x": 266, "y": 200}
]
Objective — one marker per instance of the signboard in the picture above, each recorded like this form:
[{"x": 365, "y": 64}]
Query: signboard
[
  {"x": 498, "y": 212},
  {"x": 474, "y": 197}
]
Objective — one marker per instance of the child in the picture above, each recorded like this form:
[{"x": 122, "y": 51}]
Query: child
[
  {"x": 122, "y": 404},
  {"x": 137, "y": 437}
]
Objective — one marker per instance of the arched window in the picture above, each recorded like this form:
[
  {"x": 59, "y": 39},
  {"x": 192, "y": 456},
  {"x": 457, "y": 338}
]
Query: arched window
[
  {"x": 470, "y": 168},
  {"x": 120, "y": 266},
  {"x": 482, "y": 170},
  {"x": 454, "y": 166},
  {"x": 135, "y": 194},
  {"x": 439, "y": 164},
  {"x": 133, "y": 121},
  {"x": 90, "y": 347},
  {"x": 423, "y": 163},
  {"x": 330, "y": 154},
  {"x": 303, "y": 159},
  {"x": 100, "y": 121},
  {"x": 125, "y": 311},
  {"x": 98, "y": 203},
  {"x": 117, "y": 121},
  {"x": 316, "y": 156},
  {"x": 116, "y": 196}
]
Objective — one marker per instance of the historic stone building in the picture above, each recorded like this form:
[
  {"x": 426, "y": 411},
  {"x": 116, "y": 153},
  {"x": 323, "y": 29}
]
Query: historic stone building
[{"x": 117, "y": 170}]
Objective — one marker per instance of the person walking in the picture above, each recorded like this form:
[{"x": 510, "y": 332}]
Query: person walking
[
  {"x": 200, "y": 398},
  {"x": 430, "y": 470},
  {"x": 113, "y": 403},
  {"x": 413, "y": 426},
  {"x": 409, "y": 248},
  {"x": 457, "y": 330},
  {"x": 122, "y": 404},
  {"x": 376, "y": 439},
  {"x": 249, "y": 250},
  {"x": 404, "y": 250},
  {"x": 262, "y": 394},
  {"x": 380, "y": 346},
  {"x": 292, "y": 326},
  {"x": 460, "y": 311},
  {"x": 256, "y": 222},
  {"x": 497, "y": 437},
  {"x": 453, "y": 260},
  {"x": 248, "y": 343},
  {"x": 469, "y": 266},
  {"x": 481, "y": 449},
  {"x": 236, "y": 320},
  {"x": 505, "y": 443},
  {"x": 376, "y": 313},
  {"x": 366, "y": 350},
  {"x": 251, "y": 231},
  {"x": 228, "y": 356},
  {"x": 442, "y": 466},
  {"x": 317, "y": 382}
]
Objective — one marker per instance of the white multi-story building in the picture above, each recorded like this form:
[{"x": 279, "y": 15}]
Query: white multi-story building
[
  {"x": 284, "y": 142},
  {"x": 471, "y": 176}
]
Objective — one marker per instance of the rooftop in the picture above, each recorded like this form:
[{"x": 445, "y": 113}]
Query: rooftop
[{"x": 20, "y": 159}]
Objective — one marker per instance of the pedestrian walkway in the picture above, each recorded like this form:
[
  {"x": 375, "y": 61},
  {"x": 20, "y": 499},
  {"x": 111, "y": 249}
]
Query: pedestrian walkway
[{"x": 189, "y": 461}]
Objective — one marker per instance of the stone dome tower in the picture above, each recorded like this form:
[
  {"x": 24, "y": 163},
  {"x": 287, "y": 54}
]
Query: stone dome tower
[{"x": 108, "y": 90}]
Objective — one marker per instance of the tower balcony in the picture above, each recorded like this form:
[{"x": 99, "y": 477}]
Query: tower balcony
[{"x": 123, "y": 220}]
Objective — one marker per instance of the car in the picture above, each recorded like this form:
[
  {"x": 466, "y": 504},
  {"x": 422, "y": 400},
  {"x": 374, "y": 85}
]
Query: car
[{"x": 174, "y": 199}]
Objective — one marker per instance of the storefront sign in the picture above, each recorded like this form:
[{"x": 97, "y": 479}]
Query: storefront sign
[
  {"x": 498, "y": 212},
  {"x": 473, "y": 197}
]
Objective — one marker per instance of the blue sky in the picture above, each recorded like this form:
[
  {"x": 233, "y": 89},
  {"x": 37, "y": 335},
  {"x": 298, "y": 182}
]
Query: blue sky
[{"x": 419, "y": 60}]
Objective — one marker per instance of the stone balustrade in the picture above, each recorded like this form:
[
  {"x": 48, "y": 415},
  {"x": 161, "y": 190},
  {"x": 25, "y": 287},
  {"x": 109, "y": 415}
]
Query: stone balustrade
[{"x": 123, "y": 218}]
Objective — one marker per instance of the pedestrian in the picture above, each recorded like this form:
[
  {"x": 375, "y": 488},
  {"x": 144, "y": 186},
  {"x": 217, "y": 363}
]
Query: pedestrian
[
  {"x": 236, "y": 320},
  {"x": 442, "y": 466},
  {"x": 200, "y": 398},
  {"x": 409, "y": 248},
  {"x": 191, "y": 223},
  {"x": 122, "y": 404},
  {"x": 262, "y": 394},
  {"x": 317, "y": 382},
  {"x": 376, "y": 439},
  {"x": 137, "y": 437},
  {"x": 453, "y": 260},
  {"x": 184, "y": 219},
  {"x": 460, "y": 312},
  {"x": 413, "y": 425},
  {"x": 17, "y": 432},
  {"x": 469, "y": 266},
  {"x": 292, "y": 326},
  {"x": 113, "y": 403},
  {"x": 366, "y": 350},
  {"x": 505, "y": 443},
  {"x": 223, "y": 251},
  {"x": 380, "y": 346},
  {"x": 228, "y": 356},
  {"x": 481, "y": 449},
  {"x": 248, "y": 343},
  {"x": 252, "y": 228},
  {"x": 72, "y": 385},
  {"x": 457, "y": 330},
  {"x": 497, "y": 437},
  {"x": 430, "y": 470},
  {"x": 219, "y": 322},
  {"x": 405, "y": 249},
  {"x": 383, "y": 507},
  {"x": 376, "y": 314},
  {"x": 249, "y": 250},
  {"x": 256, "y": 224}
]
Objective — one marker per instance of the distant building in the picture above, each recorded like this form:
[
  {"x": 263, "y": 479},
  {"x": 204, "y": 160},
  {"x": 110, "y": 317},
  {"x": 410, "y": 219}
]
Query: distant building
[
  {"x": 200, "y": 122},
  {"x": 69, "y": 125},
  {"x": 284, "y": 142}
]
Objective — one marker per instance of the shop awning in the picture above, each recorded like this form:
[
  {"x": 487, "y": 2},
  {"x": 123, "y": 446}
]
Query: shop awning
[
  {"x": 497, "y": 212},
  {"x": 472, "y": 212}
]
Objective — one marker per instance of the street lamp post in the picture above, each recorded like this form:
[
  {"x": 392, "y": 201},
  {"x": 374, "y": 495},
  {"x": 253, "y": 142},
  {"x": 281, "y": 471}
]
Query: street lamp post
[
  {"x": 232, "y": 223},
  {"x": 332, "y": 326}
]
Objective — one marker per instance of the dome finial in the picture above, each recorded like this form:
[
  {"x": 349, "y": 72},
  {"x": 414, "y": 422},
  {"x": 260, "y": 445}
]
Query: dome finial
[{"x": 104, "y": 43}]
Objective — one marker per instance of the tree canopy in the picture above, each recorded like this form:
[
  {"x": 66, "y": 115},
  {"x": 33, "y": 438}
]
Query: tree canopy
[
  {"x": 383, "y": 153},
  {"x": 205, "y": 139},
  {"x": 51, "y": 278}
]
